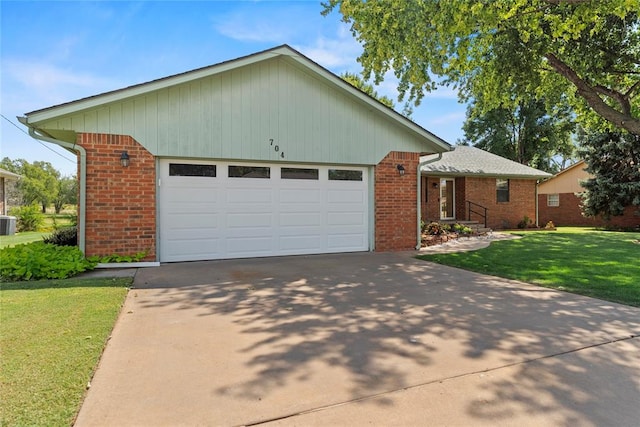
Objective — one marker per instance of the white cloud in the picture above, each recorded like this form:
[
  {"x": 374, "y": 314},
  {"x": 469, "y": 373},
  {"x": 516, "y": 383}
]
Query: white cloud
[
  {"x": 261, "y": 23},
  {"x": 48, "y": 83},
  {"x": 453, "y": 117}
]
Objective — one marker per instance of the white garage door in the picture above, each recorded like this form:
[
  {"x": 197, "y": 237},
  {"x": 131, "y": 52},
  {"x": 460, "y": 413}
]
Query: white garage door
[{"x": 220, "y": 210}]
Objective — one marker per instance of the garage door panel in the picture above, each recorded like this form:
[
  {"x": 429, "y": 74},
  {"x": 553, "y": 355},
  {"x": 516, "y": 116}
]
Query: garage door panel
[
  {"x": 221, "y": 217},
  {"x": 195, "y": 221},
  {"x": 249, "y": 220},
  {"x": 186, "y": 250},
  {"x": 341, "y": 241},
  {"x": 345, "y": 196},
  {"x": 249, "y": 195},
  {"x": 345, "y": 218},
  {"x": 307, "y": 243},
  {"x": 295, "y": 196},
  {"x": 300, "y": 219},
  {"x": 249, "y": 245}
]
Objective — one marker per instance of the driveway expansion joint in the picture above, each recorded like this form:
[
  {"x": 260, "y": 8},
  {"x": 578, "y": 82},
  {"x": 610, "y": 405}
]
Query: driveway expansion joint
[{"x": 436, "y": 381}]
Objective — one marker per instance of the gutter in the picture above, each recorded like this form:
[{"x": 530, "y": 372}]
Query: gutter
[
  {"x": 33, "y": 132},
  {"x": 419, "y": 229}
]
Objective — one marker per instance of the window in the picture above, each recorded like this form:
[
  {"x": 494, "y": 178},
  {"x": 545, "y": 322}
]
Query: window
[
  {"x": 297, "y": 173},
  {"x": 553, "y": 200},
  {"x": 344, "y": 175},
  {"x": 249, "y": 172},
  {"x": 502, "y": 190},
  {"x": 183, "y": 169}
]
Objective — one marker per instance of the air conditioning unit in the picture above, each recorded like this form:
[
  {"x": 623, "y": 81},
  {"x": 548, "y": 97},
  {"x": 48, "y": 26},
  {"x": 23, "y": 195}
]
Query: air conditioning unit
[{"x": 7, "y": 225}]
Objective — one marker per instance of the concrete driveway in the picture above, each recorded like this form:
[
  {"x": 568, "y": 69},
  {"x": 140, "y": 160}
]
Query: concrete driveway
[{"x": 361, "y": 339}]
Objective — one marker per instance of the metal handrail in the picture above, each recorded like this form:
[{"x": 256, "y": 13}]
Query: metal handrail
[{"x": 471, "y": 210}]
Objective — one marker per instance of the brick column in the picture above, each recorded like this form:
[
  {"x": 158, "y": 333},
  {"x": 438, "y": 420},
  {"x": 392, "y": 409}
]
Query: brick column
[
  {"x": 396, "y": 200},
  {"x": 121, "y": 201}
]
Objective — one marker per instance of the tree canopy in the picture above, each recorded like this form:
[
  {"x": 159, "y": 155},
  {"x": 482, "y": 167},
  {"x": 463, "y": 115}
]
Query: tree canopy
[
  {"x": 614, "y": 160},
  {"x": 526, "y": 134},
  {"x": 41, "y": 183},
  {"x": 578, "y": 52}
]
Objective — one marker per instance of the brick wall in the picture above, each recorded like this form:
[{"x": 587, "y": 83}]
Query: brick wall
[
  {"x": 482, "y": 191},
  {"x": 502, "y": 215},
  {"x": 395, "y": 202},
  {"x": 570, "y": 214},
  {"x": 121, "y": 202}
]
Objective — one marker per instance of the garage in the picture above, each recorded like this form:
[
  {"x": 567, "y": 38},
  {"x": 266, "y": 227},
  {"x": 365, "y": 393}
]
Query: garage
[
  {"x": 264, "y": 155},
  {"x": 221, "y": 210}
]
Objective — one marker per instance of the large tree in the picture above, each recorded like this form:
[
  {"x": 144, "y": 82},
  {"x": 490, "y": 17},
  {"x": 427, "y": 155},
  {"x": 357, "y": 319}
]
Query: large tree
[
  {"x": 582, "y": 52},
  {"x": 39, "y": 181},
  {"x": 614, "y": 160},
  {"x": 358, "y": 82},
  {"x": 526, "y": 134}
]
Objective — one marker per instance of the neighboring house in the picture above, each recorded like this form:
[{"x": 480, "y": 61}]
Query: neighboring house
[
  {"x": 559, "y": 202},
  {"x": 498, "y": 192},
  {"x": 269, "y": 154},
  {"x": 5, "y": 177}
]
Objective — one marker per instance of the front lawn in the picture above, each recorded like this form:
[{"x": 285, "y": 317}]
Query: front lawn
[
  {"x": 52, "y": 334},
  {"x": 599, "y": 264},
  {"x": 24, "y": 237}
]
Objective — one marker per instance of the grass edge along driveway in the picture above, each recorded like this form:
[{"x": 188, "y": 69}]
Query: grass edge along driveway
[
  {"x": 585, "y": 261},
  {"x": 52, "y": 334}
]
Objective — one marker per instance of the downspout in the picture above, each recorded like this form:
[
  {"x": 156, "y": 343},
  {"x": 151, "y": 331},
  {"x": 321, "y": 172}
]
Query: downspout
[
  {"x": 82, "y": 178},
  {"x": 537, "y": 224},
  {"x": 419, "y": 229}
]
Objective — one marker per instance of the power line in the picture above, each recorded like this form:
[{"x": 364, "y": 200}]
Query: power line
[{"x": 39, "y": 142}]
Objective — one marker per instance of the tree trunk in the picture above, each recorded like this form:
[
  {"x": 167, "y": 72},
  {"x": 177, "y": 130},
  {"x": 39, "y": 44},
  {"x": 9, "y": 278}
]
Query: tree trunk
[{"x": 590, "y": 94}]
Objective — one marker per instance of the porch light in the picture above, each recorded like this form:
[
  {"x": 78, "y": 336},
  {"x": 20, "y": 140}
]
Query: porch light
[
  {"x": 435, "y": 185},
  {"x": 124, "y": 159},
  {"x": 400, "y": 170}
]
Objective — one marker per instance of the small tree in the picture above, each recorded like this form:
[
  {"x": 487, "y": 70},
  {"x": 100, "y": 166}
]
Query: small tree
[
  {"x": 614, "y": 160},
  {"x": 67, "y": 193}
]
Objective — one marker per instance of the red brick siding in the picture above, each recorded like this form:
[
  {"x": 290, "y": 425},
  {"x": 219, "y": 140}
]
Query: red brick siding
[
  {"x": 570, "y": 214},
  {"x": 121, "y": 202},
  {"x": 522, "y": 201},
  {"x": 482, "y": 191},
  {"x": 395, "y": 202}
]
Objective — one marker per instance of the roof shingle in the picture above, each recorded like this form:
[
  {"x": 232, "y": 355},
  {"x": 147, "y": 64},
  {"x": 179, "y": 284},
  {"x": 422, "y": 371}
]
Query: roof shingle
[{"x": 472, "y": 161}]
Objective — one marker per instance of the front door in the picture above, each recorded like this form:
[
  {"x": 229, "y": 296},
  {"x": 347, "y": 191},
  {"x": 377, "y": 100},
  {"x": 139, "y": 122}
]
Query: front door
[{"x": 447, "y": 198}]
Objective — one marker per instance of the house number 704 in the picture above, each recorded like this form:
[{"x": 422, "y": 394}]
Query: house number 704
[{"x": 276, "y": 147}]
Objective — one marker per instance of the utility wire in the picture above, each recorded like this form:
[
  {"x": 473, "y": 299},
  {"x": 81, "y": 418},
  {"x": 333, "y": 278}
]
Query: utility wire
[{"x": 39, "y": 142}]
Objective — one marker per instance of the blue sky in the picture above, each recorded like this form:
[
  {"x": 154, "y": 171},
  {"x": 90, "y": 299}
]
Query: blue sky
[{"x": 54, "y": 52}]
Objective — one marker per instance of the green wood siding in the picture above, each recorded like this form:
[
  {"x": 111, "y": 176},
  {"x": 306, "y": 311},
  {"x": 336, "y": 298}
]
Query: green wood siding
[{"x": 235, "y": 113}]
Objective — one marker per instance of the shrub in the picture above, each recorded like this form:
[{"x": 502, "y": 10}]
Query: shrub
[
  {"x": 437, "y": 229},
  {"x": 462, "y": 229},
  {"x": 115, "y": 258},
  {"x": 63, "y": 237},
  {"x": 525, "y": 222},
  {"x": 29, "y": 218},
  {"x": 39, "y": 260}
]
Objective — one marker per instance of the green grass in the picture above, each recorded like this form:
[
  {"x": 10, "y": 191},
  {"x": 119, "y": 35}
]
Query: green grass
[
  {"x": 52, "y": 334},
  {"x": 599, "y": 264},
  {"x": 26, "y": 237}
]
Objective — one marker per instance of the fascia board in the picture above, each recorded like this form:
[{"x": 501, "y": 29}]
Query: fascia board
[{"x": 482, "y": 175}]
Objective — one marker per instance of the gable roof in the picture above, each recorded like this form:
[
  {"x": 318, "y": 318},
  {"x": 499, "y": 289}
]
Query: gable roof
[
  {"x": 472, "y": 161},
  {"x": 435, "y": 143}
]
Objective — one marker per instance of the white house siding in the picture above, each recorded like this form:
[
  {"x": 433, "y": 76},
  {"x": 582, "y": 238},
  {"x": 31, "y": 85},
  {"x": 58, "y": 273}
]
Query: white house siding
[{"x": 234, "y": 115}]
